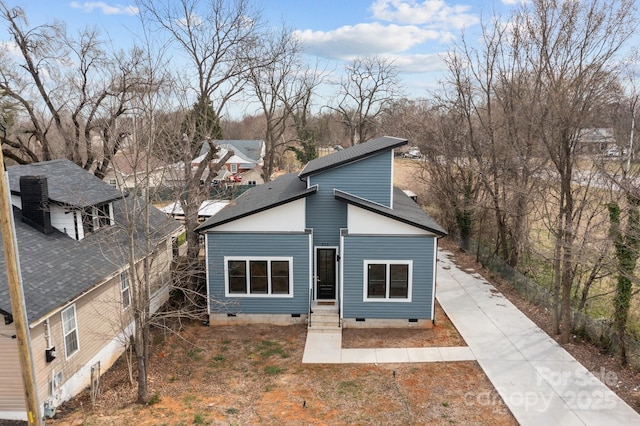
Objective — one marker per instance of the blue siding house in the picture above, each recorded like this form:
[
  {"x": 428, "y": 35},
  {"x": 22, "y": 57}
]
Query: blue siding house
[{"x": 335, "y": 245}]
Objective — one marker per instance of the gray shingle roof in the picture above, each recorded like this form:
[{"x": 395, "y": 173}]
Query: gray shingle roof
[
  {"x": 351, "y": 154},
  {"x": 284, "y": 189},
  {"x": 68, "y": 184},
  {"x": 404, "y": 210},
  {"x": 56, "y": 268},
  {"x": 251, "y": 149}
]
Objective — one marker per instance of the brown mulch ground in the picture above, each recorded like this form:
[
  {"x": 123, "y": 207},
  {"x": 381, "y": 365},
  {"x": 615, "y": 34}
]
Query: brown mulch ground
[
  {"x": 604, "y": 366},
  {"x": 253, "y": 375}
]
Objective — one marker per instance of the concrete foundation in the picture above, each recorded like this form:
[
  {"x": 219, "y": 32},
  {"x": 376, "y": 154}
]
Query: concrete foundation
[
  {"x": 385, "y": 323},
  {"x": 274, "y": 319}
]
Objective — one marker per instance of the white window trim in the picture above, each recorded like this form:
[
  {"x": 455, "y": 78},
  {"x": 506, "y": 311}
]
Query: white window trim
[
  {"x": 65, "y": 333},
  {"x": 124, "y": 277},
  {"x": 268, "y": 259},
  {"x": 233, "y": 167},
  {"x": 386, "y": 299},
  {"x": 96, "y": 216}
]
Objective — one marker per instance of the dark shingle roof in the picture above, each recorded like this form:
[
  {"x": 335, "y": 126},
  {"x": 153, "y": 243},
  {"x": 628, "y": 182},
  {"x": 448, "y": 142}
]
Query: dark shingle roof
[
  {"x": 351, "y": 154},
  {"x": 283, "y": 190},
  {"x": 404, "y": 210},
  {"x": 68, "y": 184},
  {"x": 55, "y": 268}
]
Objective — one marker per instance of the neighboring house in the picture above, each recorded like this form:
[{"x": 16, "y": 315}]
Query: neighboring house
[
  {"x": 247, "y": 159},
  {"x": 252, "y": 177},
  {"x": 73, "y": 258},
  {"x": 251, "y": 149},
  {"x": 596, "y": 140},
  {"x": 130, "y": 169},
  {"x": 336, "y": 237},
  {"x": 207, "y": 209}
]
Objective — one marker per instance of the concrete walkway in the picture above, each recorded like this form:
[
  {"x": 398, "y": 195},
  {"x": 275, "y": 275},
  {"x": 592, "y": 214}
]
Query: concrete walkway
[{"x": 539, "y": 381}]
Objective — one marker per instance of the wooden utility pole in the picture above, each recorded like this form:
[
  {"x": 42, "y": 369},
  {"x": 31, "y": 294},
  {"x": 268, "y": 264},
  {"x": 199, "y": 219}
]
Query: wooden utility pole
[{"x": 17, "y": 301}]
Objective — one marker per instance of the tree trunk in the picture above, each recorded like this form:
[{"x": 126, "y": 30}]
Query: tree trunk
[
  {"x": 141, "y": 361},
  {"x": 567, "y": 253},
  {"x": 627, "y": 248}
]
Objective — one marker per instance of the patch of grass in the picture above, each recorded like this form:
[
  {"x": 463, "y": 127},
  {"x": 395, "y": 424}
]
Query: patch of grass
[
  {"x": 232, "y": 410},
  {"x": 269, "y": 348},
  {"x": 349, "y": 387},
  {"x": 189, "y": 398},
  {"x": 195, "y": 354},
  {"x": 273, "y": 370},
  {"x": 445, "y": 404},
  {"x": 155, "y": 398},
  {"x": 199, "y": 419},
  {"x": 219, "y": 358}
]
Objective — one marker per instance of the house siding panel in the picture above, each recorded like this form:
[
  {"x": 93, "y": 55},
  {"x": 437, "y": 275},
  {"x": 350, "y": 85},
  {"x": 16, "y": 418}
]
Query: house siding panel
[
  {"x": 99, "y": 317},
  {"x": 326, "y": 216},
  {"x": 367, "y": 178},
  {"x": 359, "y": 248},
  {"x": 11, "y": 391},
  {"x": 295, "y": 245}
]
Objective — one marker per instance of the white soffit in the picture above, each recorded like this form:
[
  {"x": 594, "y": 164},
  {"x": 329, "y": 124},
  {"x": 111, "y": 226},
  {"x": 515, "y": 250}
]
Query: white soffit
[
  {"x": 361, "y": 221},
  {"x": 288, "y": 217}
]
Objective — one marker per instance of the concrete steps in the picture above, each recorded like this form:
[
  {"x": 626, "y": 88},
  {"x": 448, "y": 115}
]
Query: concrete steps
[{"x": 324, "y": 319}]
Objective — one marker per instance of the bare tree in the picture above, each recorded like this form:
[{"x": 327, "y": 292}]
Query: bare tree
[
  {"x": 281, "y": 83},
  {"x": 70, "y": 90},
  {"x": 370, "y": 84},
  {"x": 526, "y": 93},
  {"x": 570, "y": 48},
  {"x": 213, "y": 39},
  {"x": 492, "y": 95}
]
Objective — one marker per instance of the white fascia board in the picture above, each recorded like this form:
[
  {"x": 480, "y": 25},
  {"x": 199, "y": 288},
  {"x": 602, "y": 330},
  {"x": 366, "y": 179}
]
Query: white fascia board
[
  {"x": 288, "y": 217},
  {"x": 361, "y": 221}
]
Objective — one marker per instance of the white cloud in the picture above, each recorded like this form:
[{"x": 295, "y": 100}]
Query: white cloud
[
  {"x": 434, "y": 13},
  {"x": 419, "y": 63},
  {"x": 193, "y": 21},
  {"x": 118, "y": 9},
  {"x": 367, "y": 39},
  {"x": 9, "y": 47}
]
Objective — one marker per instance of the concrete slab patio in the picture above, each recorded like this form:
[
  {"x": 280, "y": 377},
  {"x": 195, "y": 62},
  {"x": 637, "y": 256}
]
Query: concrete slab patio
[{"x": 540, "y": 382}]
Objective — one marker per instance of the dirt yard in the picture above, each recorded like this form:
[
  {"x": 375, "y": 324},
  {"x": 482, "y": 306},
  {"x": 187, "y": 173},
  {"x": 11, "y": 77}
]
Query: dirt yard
[{"x": 253, "y": 375}]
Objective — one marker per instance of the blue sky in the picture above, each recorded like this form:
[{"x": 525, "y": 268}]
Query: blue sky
[{"x": 413, "y": 33}]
